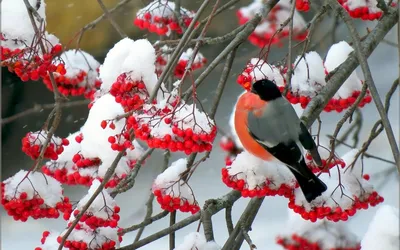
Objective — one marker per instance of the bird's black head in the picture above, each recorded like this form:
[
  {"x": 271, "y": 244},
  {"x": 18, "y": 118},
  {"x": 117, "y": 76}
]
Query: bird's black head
[{"x": 266, "y": 90}]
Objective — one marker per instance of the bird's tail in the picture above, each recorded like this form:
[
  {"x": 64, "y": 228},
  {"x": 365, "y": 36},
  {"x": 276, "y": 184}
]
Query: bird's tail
[{"x": 310, "y": 185}]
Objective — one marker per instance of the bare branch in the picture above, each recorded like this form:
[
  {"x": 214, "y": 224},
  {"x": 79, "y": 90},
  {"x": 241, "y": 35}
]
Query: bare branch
[
  {"x": 37, "y": 108},
  {"x": 228, "y": 219},
  {"x": 111, "y": 19}
]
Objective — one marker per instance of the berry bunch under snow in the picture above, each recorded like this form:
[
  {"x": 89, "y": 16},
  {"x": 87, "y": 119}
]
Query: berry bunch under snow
[
  {"x": 254, "y": 177},
  {"x": 345, "y": 195},
  {"x": 20, "y": 50},
  {"x": 327, "y": 163},
  {"x": 159, "y": 17},
  {"x": 49, "y": 242},
  {"x": 32, "y": 194},
  {"x": 351, "y": 88},
  {"x": 164, "y": 56},
  {"x": 266, "y": 32},
  {"x": 97, "y": 228},
  {"x": 197, "y": 241},
  {"x": 308, "y": 78},
  {"x": 182, "y": 128},
  {"x": 80, "y": 75},
  {"x": 33, "y": 143},
  {"x": 383, "y": 232},
  {"x": 364, "y": 9},
  {"x": 172, "y": 192},
  {"x": 321, "y": 235}
]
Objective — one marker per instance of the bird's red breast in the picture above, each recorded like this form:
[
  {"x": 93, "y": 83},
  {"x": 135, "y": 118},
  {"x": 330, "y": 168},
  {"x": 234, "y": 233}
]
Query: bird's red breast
[{"x": 249, "y": 102}]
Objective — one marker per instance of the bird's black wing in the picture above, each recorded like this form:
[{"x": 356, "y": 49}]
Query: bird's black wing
[{"x": 308, "y": 143}]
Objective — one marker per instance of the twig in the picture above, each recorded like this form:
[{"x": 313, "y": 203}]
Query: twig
[
  {"x": 240, "y": 37},
  {"x": 111, "y": 19},
  {"x": 172, "y": 221},
  {"x": 107, "y": 176},
  {"x": 178, "y": 50},
  {"x": 146, "y": 222},
  {"x": 149, "y": 212},
  {"x": 248, "y": 239},
  {"x": 290, "y": 59},
  {"x": 37, "y": 108},
  {"x": 207, "y": 224},
  {"x": 129, "y": 181},
  {"x": 228, "y": 219},
  {"x": 369, "y": 80},
  {"x": 219, "y": 204},
  {"x": 317, "y": 104},
  {"x": 365, "y": 153}
]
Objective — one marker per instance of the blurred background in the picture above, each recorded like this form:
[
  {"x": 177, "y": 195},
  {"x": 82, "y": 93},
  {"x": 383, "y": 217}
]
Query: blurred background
[{"x": 66, "y": 18}]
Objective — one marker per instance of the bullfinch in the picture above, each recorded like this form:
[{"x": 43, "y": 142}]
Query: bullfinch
[{"x": 268, "y": 127}]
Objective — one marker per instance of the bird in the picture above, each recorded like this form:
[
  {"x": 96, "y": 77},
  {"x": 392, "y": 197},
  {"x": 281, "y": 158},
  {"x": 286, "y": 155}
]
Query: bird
[{"x": 268, "y": 127}]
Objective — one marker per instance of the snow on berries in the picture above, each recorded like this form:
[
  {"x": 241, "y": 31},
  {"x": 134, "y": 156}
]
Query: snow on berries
[
  {"x": 172, "y": 192},
  {"x": 351, "y": 88},
  {"x": 164, "y": 56},
  {"x": 79, "y": 76},
  {"x": 308, "y": 78},
  {"x": 49, "y": 241},
  {"x": 32, "y": 194},
  {"x": 159, "y": 17},
  {"x": 328, "y": 162},
  {"x": 254, "y": 177},
  {"x": 196, "y": 240},
  {"x": 103, "y": 212},
  {"x": 257, "y": 69},
  {"x": 347, "y": 192},
  {"x": 181, "y": 128},
  {"x": 383, "y": 231},
  {"x": 33, "y": 143},
  {"x": 321, "y": 235},
  {"x": 363, "y": 9},
  {"x": 266, "y": 32},
  {"x": 20, "y": 50}
]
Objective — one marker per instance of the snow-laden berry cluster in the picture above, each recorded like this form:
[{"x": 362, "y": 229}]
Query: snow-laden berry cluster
[
  {"x": 80, "y": 75},
  {"x": 159, "y": 17},
  {"x": 20, "y": 48},
  {"x": 32, "y": 194},
  {"x": 328, "y": 161},
  {"x": 347, "y": 192},
  {"x": 364, "y": 9},
  {"x": 383, "y": 231},
  {"x": 172, "y": 192},
  {"x": 97, "y": 228},
  {"x": 254, "y": 177},
  {"x": 308, "y": 78},
  {"x": 197, "y": 241},
  {"x": 321, "y": 235},
  {"x": 267, "y": 32},
  {"x": 33, "y": 143},
  {"x": 164, "y": 56}
]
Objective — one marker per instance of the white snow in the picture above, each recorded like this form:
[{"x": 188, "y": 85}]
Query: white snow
[
  {"x": 16, "y": 24},
  {"x": 135, "y": 58},
  {"x": 309, "y": 75},
  {"x": 102, "y": 206},
  {"x": 77, "y": 61},
  {"x": 263, "y": 70},
  {"x": 170, "y": 182},
  {"x": 48, "y": 188},
  {"x": 95, "y": 142},
  {"x": 255, "y": 172},
  {"x": 96, "y": 238},
  {"x": 328, "y": 235},
  {"x": 337, "y": 54},
  {"x": 383, "y": 231},
  {"x": 197, "y": 241},
  {"x": 51, "y": 242}
]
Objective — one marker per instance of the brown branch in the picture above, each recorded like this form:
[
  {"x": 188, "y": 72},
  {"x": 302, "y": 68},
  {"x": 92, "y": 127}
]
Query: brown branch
[
  {"x": 145, "y": 222},
  {"x": 228, "y": 219},
  {"x": 37, "y": 108},
  {"x": 290, "y": 57},
  {"x": 218, "y": 205},
  {"x": 149, "y": 212},
  {"x": 362, "y": 59},
  {"x": 111, "y": 19}
]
